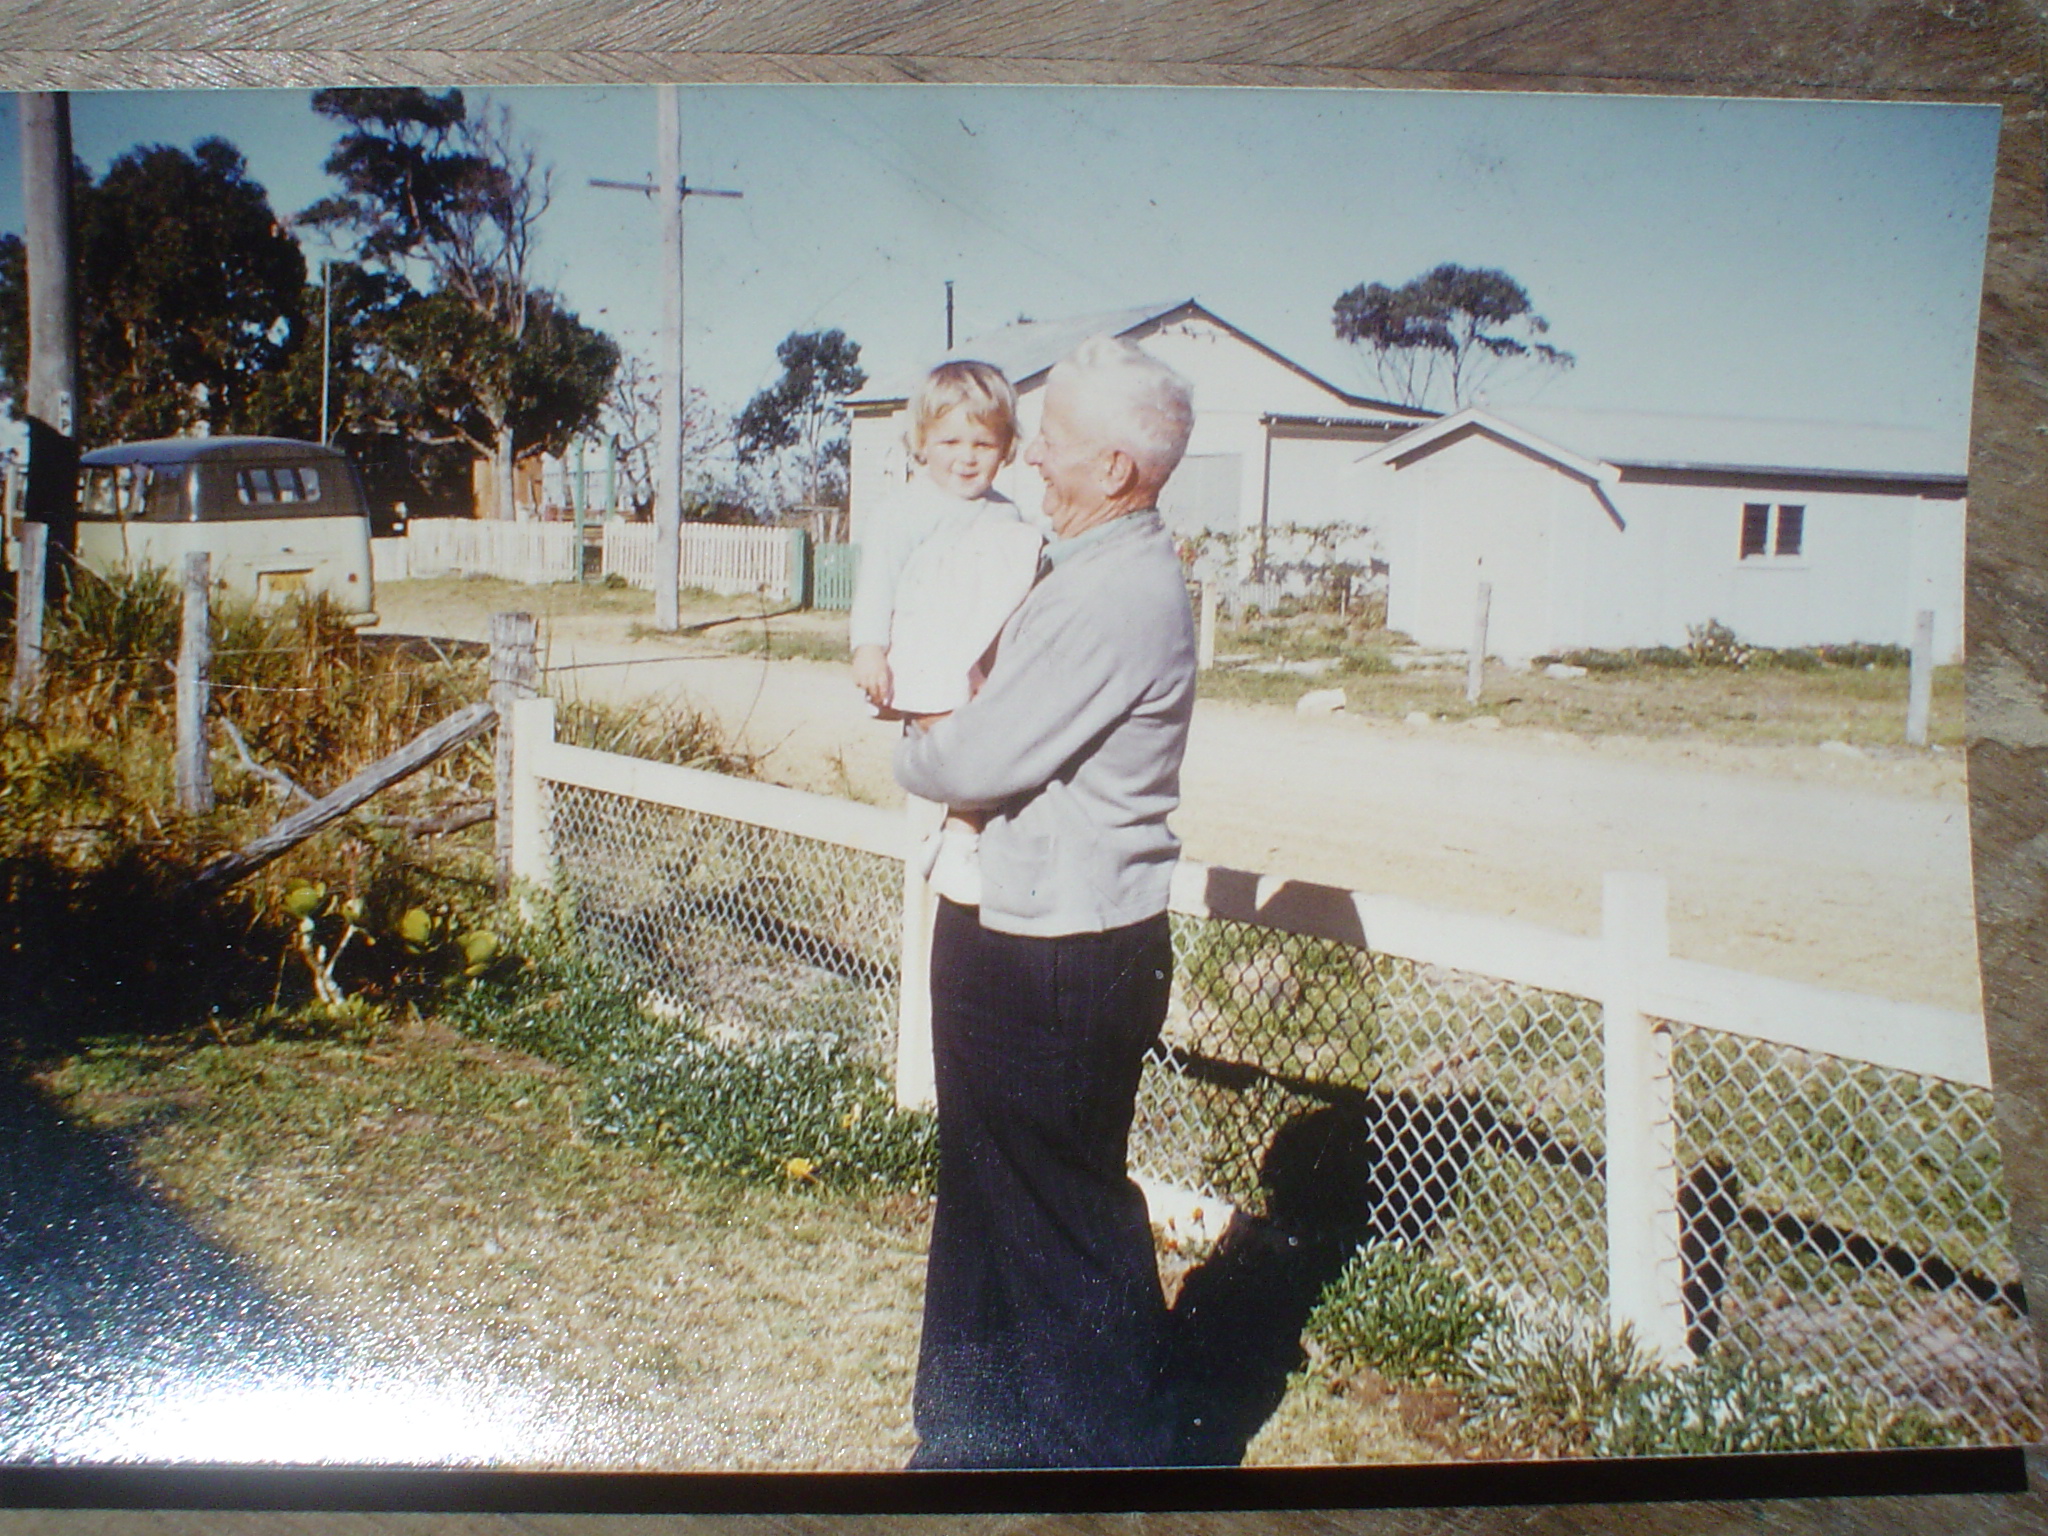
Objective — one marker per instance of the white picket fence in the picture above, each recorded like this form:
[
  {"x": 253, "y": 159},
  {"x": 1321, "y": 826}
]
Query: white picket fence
[
  {"x": 533, "y": 553},
  {"x": 716, "y": 557},
  {"x": 1691, "y": 1139}
]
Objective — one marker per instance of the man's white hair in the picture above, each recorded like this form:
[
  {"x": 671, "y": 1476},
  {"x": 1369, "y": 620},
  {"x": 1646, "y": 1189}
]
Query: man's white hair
[{"x": 1131, "y": 401}]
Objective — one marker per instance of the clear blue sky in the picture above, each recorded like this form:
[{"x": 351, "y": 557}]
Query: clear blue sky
[{"x": 1819, "y": 260}]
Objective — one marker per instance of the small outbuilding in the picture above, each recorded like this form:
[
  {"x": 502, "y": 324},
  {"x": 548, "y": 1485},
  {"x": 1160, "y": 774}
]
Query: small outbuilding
[
  {"x": 1273, "y": 443},
  {"x": 1614, "y": 530}
]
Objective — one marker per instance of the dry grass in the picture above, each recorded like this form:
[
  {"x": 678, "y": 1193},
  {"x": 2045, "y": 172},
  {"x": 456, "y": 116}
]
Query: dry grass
[
  {"x": 1866, "y": 708},
  {"x": 433, "y": 1202}
]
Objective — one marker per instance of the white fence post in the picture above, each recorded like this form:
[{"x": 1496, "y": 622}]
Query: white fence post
[
  {"x": 515, "y": 675},
  {"x": 1475, "y": 660},
  {"x": 532, "y": 728},
  {"x": 25, "y": 691},
  {"x": 1920, "y": 682},
  {"x": 1645, "y": 1278},
  {"x": 915, "y": 1084},
  {"x": 1205, "y": 639}
]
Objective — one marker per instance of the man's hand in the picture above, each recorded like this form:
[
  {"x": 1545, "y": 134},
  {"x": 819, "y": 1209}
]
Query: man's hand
[{"x": 871, "y": 674}]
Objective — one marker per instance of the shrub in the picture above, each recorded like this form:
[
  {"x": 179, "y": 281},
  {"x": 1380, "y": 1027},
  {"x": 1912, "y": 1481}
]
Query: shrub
[
  {"x": 1401, "y": 1314},
  {"x": 805, "y": 1108},
  {"x": 1557, "y": 1391},
  {"x": 1713, "y": 644}
]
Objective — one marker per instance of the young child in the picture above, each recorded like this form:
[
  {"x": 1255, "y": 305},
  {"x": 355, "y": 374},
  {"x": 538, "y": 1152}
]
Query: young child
[{"x": 943, "y": 565}]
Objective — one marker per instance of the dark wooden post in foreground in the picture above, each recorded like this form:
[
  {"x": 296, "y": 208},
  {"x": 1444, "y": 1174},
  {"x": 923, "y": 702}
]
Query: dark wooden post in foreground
[
  {"x": 515, "y": 675},
  {"x": 52, "y": 395},
  {"x": 193, "y": 771},
  {"x": 25, "y": 690}
]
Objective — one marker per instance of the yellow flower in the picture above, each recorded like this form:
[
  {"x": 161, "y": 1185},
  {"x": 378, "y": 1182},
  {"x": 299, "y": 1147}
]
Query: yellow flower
[{"x": 800, "y": 1170}]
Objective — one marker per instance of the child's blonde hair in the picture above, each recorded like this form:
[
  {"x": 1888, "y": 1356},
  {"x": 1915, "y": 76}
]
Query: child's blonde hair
[{"x": 977, "y": 388}]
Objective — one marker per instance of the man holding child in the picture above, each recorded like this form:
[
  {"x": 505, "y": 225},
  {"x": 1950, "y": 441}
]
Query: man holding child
[{"x": 1045, "y": 1331}]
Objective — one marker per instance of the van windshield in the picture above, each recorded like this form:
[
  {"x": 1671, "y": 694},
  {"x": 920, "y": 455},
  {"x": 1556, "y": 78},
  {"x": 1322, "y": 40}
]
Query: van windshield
[{"x": 132, "y": 491}]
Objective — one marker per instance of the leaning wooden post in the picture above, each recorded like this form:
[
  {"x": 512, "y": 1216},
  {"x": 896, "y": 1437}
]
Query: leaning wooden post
[
  {"x": 1205, "y": 640},
  {"x": 1645, "y": 1275},
  {"x": 191, "y": 769},
  {"x": 1920, "y": 683},
  {"x": 25, "y": 691},
  {"x": 515, "y": 675},
  {"x": 1475, "y": 663},
  {"x": 915, "y": 1084}
]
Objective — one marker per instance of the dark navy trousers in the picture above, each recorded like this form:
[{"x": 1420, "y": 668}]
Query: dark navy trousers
[{"x": 1045, "y": 1332}]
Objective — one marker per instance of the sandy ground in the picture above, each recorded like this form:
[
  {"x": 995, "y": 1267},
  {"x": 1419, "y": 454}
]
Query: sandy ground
[{"x": 1795, "y": 861}]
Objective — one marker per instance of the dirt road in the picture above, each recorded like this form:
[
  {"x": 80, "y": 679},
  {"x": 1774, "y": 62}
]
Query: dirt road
[{"x": 1847, "y": 871}]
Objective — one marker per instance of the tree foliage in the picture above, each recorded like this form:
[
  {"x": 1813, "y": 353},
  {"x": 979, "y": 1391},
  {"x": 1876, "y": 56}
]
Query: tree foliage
[
  {"x": 191, "y": 296},
  {"x": 633, "y": 416},
  {"x": 442, "y": 202},
  {"x": 796, "y": 427},
  {"x": 1448, "y": 333}
]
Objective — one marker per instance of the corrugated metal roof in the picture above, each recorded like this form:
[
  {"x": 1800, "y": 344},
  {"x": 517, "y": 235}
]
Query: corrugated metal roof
[
  {"x": 1029, "y": 347},
  {"x": 1645, "y": 440}
]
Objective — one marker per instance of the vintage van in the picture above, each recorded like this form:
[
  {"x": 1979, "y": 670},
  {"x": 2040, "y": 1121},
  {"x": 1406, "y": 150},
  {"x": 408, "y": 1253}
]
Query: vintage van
[{"x": 280, "y": 518}]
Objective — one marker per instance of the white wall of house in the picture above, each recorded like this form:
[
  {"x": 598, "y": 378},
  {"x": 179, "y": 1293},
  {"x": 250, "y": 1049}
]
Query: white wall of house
[
  {"x": 1565, "y": 574},
  {"x": 1236, "y": 386}
]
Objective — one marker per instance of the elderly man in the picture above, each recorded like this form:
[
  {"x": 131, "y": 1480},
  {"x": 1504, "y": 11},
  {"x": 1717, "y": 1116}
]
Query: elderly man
[{"x": 1045, "y": 1333}]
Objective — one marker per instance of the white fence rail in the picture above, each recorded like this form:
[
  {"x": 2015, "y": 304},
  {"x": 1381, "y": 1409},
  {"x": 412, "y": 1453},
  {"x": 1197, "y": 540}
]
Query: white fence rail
[{"x": 1698, "y": 1153}]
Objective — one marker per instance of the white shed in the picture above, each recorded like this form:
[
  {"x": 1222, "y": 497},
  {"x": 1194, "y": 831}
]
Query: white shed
[
  {"x": 1613, "y": 530},
  {"x": 1273, "y": 443}
]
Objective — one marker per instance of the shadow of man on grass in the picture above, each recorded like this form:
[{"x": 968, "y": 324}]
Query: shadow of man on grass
[{"x": 1369, "y": 1167}]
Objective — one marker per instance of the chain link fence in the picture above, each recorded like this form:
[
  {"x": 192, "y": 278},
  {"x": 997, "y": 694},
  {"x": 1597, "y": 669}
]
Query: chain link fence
[{"x": 1837, "y": 1219}]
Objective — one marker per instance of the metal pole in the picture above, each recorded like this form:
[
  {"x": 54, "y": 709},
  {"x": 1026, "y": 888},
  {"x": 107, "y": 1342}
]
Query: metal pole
[
  {"x": 668, "y": 496},
  {"x": 949, "y": 314},
  {"x": 52, "y": 325},
  {"x": 195, "y": 661},
  {"x": 1920, "y": 683}
]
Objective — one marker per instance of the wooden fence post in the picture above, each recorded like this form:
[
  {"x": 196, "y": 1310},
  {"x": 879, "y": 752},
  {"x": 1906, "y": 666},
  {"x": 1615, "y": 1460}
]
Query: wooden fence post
[
  {"x": 191, "y": 767},
  {"x": 515, "y": 675},
  {"x": 799, "y": 568},
  {"x": 1645, "y": 1275},
  {"x": 915, "y": 1085},
  {"x": 25, "y": 691},
  {"x": 1920, "y": 682},
  {"x": 1475, "y": 662},
  {"x": 1205, "y": 639},
  {"x": 532, "y": 727}
]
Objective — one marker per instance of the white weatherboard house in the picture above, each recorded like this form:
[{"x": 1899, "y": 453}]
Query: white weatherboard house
[
  {"x": 1273, "y": 444},
  {"x": 1612, "y": 530}
]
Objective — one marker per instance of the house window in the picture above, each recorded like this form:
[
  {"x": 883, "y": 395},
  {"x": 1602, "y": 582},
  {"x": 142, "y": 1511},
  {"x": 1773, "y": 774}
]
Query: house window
[{"x": 1769, "y": 530}]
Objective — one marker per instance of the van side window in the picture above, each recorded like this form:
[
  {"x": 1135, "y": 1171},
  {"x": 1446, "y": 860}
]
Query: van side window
[{"x": 264, "y": 485}]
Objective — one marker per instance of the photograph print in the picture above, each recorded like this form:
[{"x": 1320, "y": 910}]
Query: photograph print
[{"x": 809, "y": 778}]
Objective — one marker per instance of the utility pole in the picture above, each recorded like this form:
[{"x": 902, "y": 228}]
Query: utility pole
[
  {"x": 326, "y": 340},
  {"x": 949, "y": 314},
  {"x": 670, "y": 190},
  {"x": 52, "y": 495}
]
